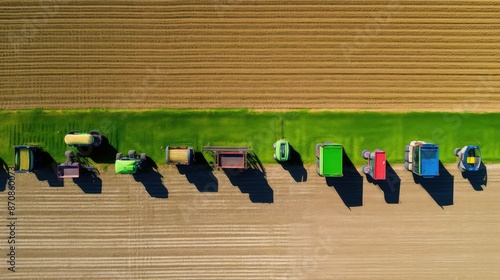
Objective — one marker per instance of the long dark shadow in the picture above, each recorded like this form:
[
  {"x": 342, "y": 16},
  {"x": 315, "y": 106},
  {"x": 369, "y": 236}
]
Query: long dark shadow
[
  {"x": 477, "y": 179},
  {"x": 295, "y": 166},
  {"x": 4, "y": 175},
  {"x": 104, "y": 153},
  {"x": 254, "y": 162},
  {"x": 350, "y": 186},
  {"x": 47, "y": 170},
  {"x": 252, "y": 181},
  {"x": 200, "y": 174},
  {"x": 89, "y": 181},
  {"x": 391, "y": 186},
  {"x": 440, "y": 188},
  {"x": 151, "y": 179}
]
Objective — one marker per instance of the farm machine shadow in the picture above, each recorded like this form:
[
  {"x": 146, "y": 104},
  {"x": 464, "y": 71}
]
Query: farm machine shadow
[
  {"x": 252, "y": 181},
  {"x": 151, "y": 179},
  {"x": 88, "y": 180},
  {"x": 47, "y": 170},
  {"x": 350, "y": 185},
  {"x": 104, "y": 153},
  {"x": 391, "y": 186},
  {"x": 478, "y": 178},
  {"x": 244, "y": 170},
  {"x": 200, "y": 174},
  {"x": 83, "y": 173},
  {"x": 440, "y": 188},
  {"x": 295, "y": 166},
  {"x": 4, "y": 175}
]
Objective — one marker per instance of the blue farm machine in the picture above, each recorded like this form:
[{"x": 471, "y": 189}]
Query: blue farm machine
[
  {"x": 422, "y": 159},
  {"x": 469, "y": 158}
]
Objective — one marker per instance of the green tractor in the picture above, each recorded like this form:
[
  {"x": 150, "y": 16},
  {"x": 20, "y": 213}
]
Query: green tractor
[
  {"x": 130, "y": 163},
  {"x": 281, "y": 150}
]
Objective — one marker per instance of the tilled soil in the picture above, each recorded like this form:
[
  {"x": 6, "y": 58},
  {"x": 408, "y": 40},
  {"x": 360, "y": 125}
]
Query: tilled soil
[
  {"x": 354, "y": 55},
  {"x": 160, "y": 225}
]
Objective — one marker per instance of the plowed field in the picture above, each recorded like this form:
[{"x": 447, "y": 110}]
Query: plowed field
[
  {"x": 308, "y": 232},
  {"x": 349, "y": 55},
  {"x": 341, "y": 55}
]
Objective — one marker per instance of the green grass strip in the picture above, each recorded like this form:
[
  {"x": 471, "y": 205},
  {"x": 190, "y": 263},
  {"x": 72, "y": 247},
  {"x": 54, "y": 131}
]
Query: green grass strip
[{"x": 151, "y": 131}]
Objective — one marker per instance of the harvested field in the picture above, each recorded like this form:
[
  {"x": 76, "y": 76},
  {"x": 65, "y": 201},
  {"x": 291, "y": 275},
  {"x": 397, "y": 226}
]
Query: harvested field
[
  {"x": 353, "y": 55},
  {"x": 190, "y": 223},
  {"x": 115, "y": 228}
]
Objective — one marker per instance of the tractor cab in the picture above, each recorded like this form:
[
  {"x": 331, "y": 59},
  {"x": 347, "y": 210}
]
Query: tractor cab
[{"x": 469, "y": 158}]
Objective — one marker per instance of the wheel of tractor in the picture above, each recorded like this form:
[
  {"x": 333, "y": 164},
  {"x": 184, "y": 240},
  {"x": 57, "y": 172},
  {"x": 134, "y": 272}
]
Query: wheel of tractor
[
  {"x": 407, "y": 148},
  {"x": 317, "y": 149},
  {"x": 84, "y": 150},
  {"x": 132, "y": 153},
  {"x": 456, "y": 151},
  {"x": 119, "y": 156},
  {"x": 74, "y": 132},
  {"x": 143, "y": 156},
  {"x": 97, "y": 137},
  {"x": 69, "y": 154},
  {"x": 365, "y": 154},
  {"x": 366, "y": 169},
  {"x": 408, "y": 166}
]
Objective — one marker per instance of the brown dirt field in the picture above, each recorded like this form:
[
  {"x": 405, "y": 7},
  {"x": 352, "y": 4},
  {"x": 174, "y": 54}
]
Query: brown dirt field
[
  {"x": 350, "y": 55},
  {"x": 307, "y": 233}
]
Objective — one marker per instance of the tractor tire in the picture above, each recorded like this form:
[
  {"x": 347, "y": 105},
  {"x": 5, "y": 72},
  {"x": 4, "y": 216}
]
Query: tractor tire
[
  {"x": 365, "y": 154},
  {"x": 456, "y": 151},
  {"x": 69, "y": 154},
  {"x": 366, "y": 169},
  {"x": 119, "y": 156},
  {"x": 74, "y": 132},
  {"x": 408, "y": 166},
  {"x": 84, "y": 150},
  {"x": 407, "y": 148},
  {"x": 97, "y": 137},
  {"x": 132, "y": 153},
  {"x": 144, "y": 157}
]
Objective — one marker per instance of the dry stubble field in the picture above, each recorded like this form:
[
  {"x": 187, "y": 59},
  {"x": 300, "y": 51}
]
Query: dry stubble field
[
  {"x": 350, "y": 55},
  {"x": 307, "y": 233}
]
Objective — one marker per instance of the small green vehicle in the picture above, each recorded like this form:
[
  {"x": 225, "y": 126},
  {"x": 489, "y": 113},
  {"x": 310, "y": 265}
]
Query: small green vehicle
[
  {"x": 131, "y": 163},
  {"x": 281, "y": 150}
]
